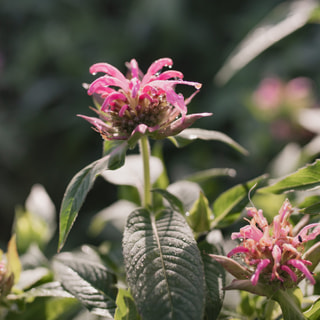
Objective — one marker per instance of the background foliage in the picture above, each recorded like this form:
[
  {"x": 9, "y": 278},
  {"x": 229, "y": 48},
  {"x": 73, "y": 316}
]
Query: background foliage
[{"x": 46, "y": 48}]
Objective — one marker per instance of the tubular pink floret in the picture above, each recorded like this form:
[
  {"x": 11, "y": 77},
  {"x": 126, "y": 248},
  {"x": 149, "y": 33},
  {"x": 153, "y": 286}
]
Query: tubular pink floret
[
  {"x": 134, "y": 68},
  {"x": 303, "y": 235},
  {"x": 108, "y": 69},
  {"x": 155, "y": 67},
  {"x": 111, "y": 97},
  {"x": 290, "y": 272},
  {"x": 237, "y": 250},
  {"x": 170, "y": 74},
  {"x": 261, "y": 265},
  {"x": 302, "y": 267}
]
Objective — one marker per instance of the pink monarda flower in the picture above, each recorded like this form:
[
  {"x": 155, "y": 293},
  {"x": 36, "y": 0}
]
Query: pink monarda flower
[
  {"x": 272, "y": 253},
  {"x": 140, "y": 104}
]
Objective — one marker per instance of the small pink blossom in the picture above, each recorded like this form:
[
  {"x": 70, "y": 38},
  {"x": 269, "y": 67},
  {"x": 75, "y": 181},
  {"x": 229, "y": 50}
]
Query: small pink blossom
[
  {"x": 140, "y": 104},
  {"x": 272, "y": 252}
]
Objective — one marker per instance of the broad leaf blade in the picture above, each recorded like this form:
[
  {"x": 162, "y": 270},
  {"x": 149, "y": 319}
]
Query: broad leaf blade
[
  {"x": 305, "y": 178},
  {"x": 90, "y": 282},
  {"x": 189, "y": 135},
  {"x": 228, "y": 206},
  {"x": 79, "y": 187},
  {"x": 164, "y": 267}
]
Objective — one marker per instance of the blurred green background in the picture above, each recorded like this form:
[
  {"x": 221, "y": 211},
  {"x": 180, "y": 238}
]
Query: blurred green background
[{"x": 47, "y": 47}]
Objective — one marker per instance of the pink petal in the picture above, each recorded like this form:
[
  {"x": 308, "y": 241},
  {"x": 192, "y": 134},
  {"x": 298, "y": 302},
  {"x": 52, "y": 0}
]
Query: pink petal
[
  {"x": 251, "y": 232},
  {"x": 145, "y": 96},
  {"x": 123, "y": 110},
  {"x": 303, "y": 235},
  {"x": 170, "y": 74},
  {"x": 155, "y": 67},
  {"x": 262, "y": 264},
  {"x": 108, "y": 69},
  {"x": 276, "y": 255},
  {"x": 134, "y": 86},
  {"x": 98, "y": 123},
  {"x": 111, "y": 97},
  {"x": 290, "y": 272},
  {"x": 236, "y": 250},
  {"x": 107, "y": 81},
  {"x": 134, "y": 68},
  {"x": 302, "y": 267}
]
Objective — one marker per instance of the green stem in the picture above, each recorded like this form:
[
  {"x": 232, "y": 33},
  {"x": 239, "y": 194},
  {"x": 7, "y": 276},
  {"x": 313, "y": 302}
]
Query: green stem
[
  {"x": 289, "y": 305},
  {"x": 145, "y": 152}
]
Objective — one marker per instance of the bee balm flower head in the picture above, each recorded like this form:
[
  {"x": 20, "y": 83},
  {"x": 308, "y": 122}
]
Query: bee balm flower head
[
  {"x": 271, "y": 254},
  {"x": 143, "y": 104}
]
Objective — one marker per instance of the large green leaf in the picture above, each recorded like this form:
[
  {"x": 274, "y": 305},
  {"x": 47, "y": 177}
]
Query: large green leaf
[
  {"x": 81, "y": 184},
  {"x": 305, "y": 178},
  {"x": 90, "y": 282},
  {"x": 191, "y": 134},
  {"x": 164, "y": 266},
  {"x": 228, "y": 206}
]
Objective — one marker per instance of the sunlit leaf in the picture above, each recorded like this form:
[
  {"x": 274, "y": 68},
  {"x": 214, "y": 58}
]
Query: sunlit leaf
[
  {"x": 126, "y": 309},
  {"x": 14, "y": 264},
  {"x": 200, "y": 214},
  {"x": 314, "y": 312},
  {"x": 305, "y": 178},
  {"x": 206, "y": 175},
  {"x": 90, "y": 282},
  {"x": 281, "y": 22},
  {"x": 116, "y": 214},
  {"x": 79, "y": 187},
  {"x": 229, "y": 205},
  {"x": 191, "y": 134},
  {"x": 187, "y": 192},
  {"x": 164, "y": 267},
  {"x": 131, "y": 173}
]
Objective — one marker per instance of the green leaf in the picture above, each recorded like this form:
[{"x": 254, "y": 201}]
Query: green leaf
[
  {"x": 126, "y": 309},
  {"x": 229, "y": 205},
  {"x": 200, "y": 215},
  {"x": 187, "y": 192},
  {"x": 215, "y": 281},
  {"x": 114, "y": 215},
  {"x": 313, "y": 209},
  {"x": 50, "y": 289},
  {"x": 174, "y": 202},
  {"x": 79, "y": 187},
  {"x": 205, "y": 175},
  {"x": 314, "y": 312},
  {"x": 164, "y": 267},
  {"x": 189, "y": 135},
  {"x": 90, "y": 282},
  {"x": 48, "y": 309},
  {"x": 305, "y": 178}
]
